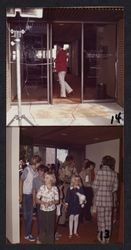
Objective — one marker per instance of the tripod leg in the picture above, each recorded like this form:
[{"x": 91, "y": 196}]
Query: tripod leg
[
  {"x": 12, "y": 120},
  {"x": 26, "y": 119}
]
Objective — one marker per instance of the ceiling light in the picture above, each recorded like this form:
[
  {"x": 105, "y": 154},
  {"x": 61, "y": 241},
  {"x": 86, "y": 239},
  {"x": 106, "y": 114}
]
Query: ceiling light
[{"x": 25, "y": 12}]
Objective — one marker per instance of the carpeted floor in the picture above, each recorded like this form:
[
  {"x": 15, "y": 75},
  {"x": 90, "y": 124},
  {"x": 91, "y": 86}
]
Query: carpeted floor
[{"x": 87, "y": 233}]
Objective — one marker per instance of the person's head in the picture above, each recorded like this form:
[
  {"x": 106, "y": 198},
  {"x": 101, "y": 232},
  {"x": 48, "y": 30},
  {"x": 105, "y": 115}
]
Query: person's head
[
  {"x": 84, "y": 165},
  {"x": 69, "y": 158},
  {"x": 53, "y": 167},
  {"x": 59, "y": 46},
  {"x": 109, "y": 161},
  {"x": 49, "y": 179},
  {"x": 87, "y": 165},
  {"x": 92, "y": 165},
  {"x": 76, "y": 181},
  {"x": 36, "y": 159},
  {"x": 42, "y": 169}
]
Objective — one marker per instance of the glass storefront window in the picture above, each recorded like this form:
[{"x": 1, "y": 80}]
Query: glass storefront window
[
  {"x": 99, "y": 61},
  {"x": 92, "y": 64},
  {"x": 61, "y": 155}
]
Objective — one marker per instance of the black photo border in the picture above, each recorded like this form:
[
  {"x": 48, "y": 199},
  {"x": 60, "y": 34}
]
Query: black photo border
[{"x": 127, "y": 127}]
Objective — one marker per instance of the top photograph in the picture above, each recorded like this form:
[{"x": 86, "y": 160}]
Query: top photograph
[{"x": 65, "y": 66}]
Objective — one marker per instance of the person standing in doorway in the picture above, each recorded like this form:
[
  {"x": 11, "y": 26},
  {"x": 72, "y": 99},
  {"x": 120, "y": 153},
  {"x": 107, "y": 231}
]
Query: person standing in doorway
[
  {"x": 61, "y": 68},
  {"x": 26, "y": 186}
]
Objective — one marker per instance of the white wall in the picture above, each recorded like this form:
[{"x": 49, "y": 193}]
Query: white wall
[
  {"x": 8, "y": 71},
  {"x": 12, "y": 185},
  {"x": 95, "y": 152}
]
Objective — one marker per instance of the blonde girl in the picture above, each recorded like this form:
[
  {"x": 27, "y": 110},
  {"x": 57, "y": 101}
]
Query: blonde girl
[
  {"x": 47, "y": 197},
  {"x": 73, "y": 204}
]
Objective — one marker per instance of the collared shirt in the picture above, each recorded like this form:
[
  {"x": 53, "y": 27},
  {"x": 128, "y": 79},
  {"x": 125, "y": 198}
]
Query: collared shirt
[
  {"x": 27, "y": 176},
  {"x": 48, "y": 195},
  {"x": 104, "y": 185},
  {"x": 77, "y": 187}
]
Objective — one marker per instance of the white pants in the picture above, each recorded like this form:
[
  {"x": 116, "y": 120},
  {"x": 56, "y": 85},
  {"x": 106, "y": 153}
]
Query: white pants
[
  {"x": 73, "y": 219},
  {"x": 63, "y": 84}
]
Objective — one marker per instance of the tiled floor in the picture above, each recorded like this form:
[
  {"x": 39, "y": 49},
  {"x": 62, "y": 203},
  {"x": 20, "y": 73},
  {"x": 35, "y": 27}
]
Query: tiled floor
[{"x": 67, "y": 114}]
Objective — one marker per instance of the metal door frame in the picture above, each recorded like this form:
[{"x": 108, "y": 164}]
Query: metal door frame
[
  {"x": 49, "y": 65},
  {"x": 48, "y": 75}
]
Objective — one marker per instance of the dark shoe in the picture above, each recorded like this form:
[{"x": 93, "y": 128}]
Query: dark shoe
[{"x": 77, "y": 235}]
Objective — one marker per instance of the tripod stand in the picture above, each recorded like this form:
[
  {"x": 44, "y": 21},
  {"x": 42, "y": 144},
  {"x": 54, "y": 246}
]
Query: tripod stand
[{"x": 17, "y": 35}]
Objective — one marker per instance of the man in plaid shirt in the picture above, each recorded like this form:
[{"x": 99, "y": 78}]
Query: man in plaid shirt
[{"x": 105, "y": 184}]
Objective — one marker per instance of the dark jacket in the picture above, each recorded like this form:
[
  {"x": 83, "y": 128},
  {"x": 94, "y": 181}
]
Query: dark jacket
[{"x": 73, "y": 200}]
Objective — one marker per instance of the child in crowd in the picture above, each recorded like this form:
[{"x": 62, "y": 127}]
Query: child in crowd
[
  {"x": 72, "y": 203},
  {"x": 37, "y": 183},
  {"x": 59, "y": 207},
  {"x": 26, "y": 185},
  {"x": 48, "y": 198},
  {"x": 87, "y": 176}
]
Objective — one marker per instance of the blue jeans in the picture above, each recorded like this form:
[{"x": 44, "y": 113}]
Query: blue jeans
[{"x": 28, "y": 212}]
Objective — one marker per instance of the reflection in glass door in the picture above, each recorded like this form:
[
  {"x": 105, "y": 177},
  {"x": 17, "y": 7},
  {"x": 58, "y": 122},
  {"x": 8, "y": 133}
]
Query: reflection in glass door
[
  {"x": 34, "y": 62},
  {"x": 99, "y": 76}
]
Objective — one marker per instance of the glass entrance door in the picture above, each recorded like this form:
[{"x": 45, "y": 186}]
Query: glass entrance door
[
  {"x": 99, "y": 74},
  {"x": 69, "y": 35},
  {"x": 34, "y": 51}
]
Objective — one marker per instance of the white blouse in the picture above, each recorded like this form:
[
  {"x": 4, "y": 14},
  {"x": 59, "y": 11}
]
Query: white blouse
[{"x": 48, "y": 195}]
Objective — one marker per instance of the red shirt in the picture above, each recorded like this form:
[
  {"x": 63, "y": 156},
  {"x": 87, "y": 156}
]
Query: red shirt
[{"x": 61, "y": 61}]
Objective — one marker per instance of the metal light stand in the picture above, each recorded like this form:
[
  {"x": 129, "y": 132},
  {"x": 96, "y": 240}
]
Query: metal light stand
[{"x": 17, "y": 35}]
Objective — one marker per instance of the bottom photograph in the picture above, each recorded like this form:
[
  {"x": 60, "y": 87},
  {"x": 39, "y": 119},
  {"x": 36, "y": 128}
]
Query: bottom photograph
[{"x": 64, "y": 185}]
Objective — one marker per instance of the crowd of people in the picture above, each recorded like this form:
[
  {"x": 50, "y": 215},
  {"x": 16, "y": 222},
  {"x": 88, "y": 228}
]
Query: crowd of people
[{"x": 60, "y": 194}]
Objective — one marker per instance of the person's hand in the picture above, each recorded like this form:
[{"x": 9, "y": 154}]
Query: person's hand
[
  {"x": 34, "y": 203},
  {"x": 50, "y": 203},
  {"x": 65, "y": 206},
  {"x": 20, "y": 199},
  {"x": 45, "y": 204}
]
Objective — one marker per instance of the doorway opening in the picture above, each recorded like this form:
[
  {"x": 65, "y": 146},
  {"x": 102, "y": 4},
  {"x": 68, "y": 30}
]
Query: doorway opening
[
  {"x": 92, "y": 61},
  {"x": 69, "y": 34}
]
